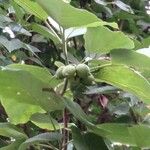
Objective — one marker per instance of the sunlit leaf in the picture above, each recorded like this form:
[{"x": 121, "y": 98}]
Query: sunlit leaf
[
  {"x": 32, "y": 7},
  {"x": 126, "y": 79},
  {"x": 102, "y": 40},
  {"x": 22, "y": 94}
]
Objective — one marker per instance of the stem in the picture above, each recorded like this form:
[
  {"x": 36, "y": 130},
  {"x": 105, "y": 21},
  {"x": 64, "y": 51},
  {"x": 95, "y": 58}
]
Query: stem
[
  {"x": 50, "y": 28},
  {"x": 63, "y": 41},
  {"x": 65, "y": 132},
  {"x": 121, "y": 25},
  {"x": 65, "y": 116},
  {"x": 65, "y": 87},
  {"x": 64, "y": 47}
]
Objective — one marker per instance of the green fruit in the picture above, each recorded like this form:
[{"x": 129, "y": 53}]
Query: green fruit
[
  {"x": 69, "y": 71},
  {"x": 89, "y": 80},
  {"x": 82, "y": 70},
  {"x": 59, "y": 73}
]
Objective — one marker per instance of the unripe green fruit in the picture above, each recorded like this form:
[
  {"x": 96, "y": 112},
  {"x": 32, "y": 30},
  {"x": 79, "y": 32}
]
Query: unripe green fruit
[
  {"x": 82, "y": 70},
  {"x": 59, "y": 73},
  {"x": 69, "y": 71},
  {"x": 89, "y": 80}
]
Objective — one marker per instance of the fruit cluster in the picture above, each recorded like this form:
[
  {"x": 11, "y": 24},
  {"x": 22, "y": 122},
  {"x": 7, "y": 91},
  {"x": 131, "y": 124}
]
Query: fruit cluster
[{"x": 76, "y": 72}]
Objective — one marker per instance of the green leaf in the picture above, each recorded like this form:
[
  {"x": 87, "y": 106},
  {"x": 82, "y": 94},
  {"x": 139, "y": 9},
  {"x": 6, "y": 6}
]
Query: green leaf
[
  {"x": 19, "y": 12},
  {"x": 3, "y": 18},
  {"x": 66, "y": 15},
  {"x": 13, "y": 146},
  {"x": 102, "y": 40},
  {"x": 32, "y": 7},
  {"x": 22, "y": 94},
  {"x": 15, "y": 44},
  {"x": 94, "y": 141},
  {"x": 45, "y": 32},
  {"x": 141, "y": 133},
  {"x": 126, "y": 79},
  {"x": 145, "y": 43},
  {"x": 100, "y": 90},
  {"x": 118, "y": 3},
  {"x": 44, "y": 137},
  {"x": 77, "y": 111},
  {"x": 117, "y": 133},
  {"x": 73, "y": 17},
  {"x": 45, "y": 121},
  {"x": 135, "y": 135},
  {"x": 87, "y": 141},
  {"x": 123, "y": 6},
  {"x": 16, "y": 111},
  {"x": 19, "y": 29},
  {"x": 9, "y": 130},
  {"x": 132, "y": 59},
  {"x": 40, "y": 73},
  {"x": 78, "y": 139},
  {"x": 10, "y": 45}
]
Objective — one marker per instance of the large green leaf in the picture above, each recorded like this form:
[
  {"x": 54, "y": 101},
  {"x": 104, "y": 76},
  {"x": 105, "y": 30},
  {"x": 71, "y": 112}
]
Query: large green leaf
[
  {"x": 13, "y": 146},
  {"x": 132, "y": 59},
  {"x": 145, "y": 43},
  {"x": 126, "y": 79},
  {"x": 40, "y": 73},
  {"x": 23, "y": 94},
  {"x": 117, "y": 133},
  {"x": 44, "y": 137},
  {"x": 32, "y": 7},
  {"x": 66, "y": 15},
  {"x": 45, "y": 121},
  {"x": 16, "y": 111},
  {"x": 9, "y": 130},
  {"x": 135, "y": 135},
  {"x": 102, "y": 40},
  {"x": 87, "y": 141},
  {"x": 94, "y": 141},
  {"x": 141, "y": 135},
  {"x": 78, "y": 139}
]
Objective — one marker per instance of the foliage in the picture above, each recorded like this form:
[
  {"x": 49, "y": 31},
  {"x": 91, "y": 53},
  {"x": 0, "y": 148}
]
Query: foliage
[{"x": 74, "y": 74}]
